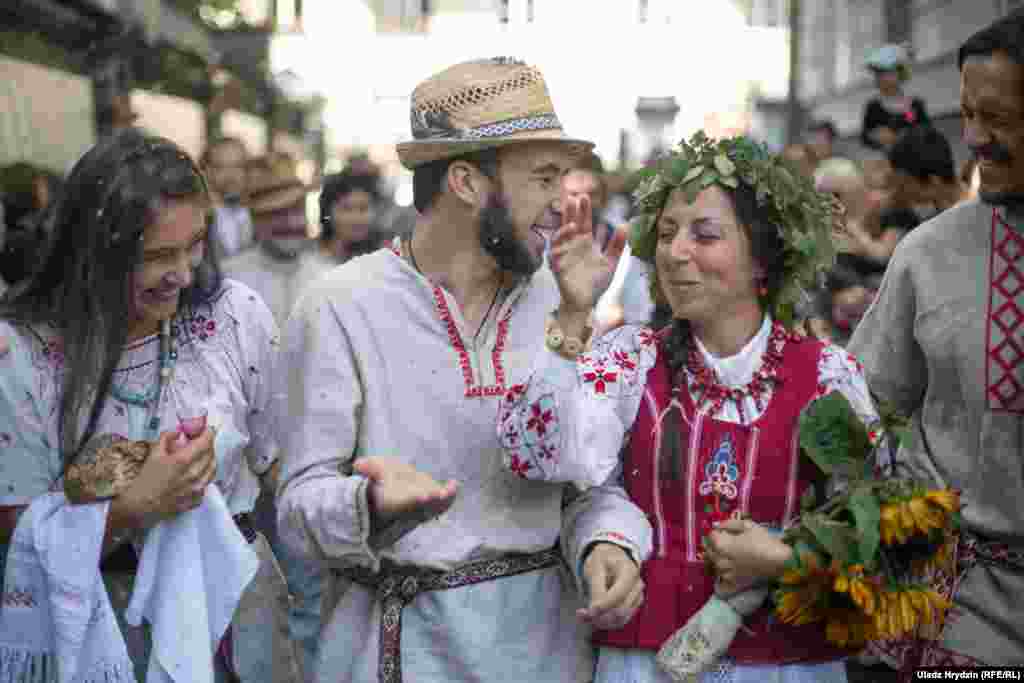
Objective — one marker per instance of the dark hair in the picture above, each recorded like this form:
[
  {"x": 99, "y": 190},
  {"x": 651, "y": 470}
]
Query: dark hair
[
  {"x": 826, "y": 126},
  {"x": 216, "y": 143},
  {"x": 428, "y": 179},
  {"x": 1005, "y": 35},
  {"x": 81, "y": 285},
  {"x": 767, "y": 249},
  {"x": 337, "y": 186},
  {"x": 921, "y": 152}
]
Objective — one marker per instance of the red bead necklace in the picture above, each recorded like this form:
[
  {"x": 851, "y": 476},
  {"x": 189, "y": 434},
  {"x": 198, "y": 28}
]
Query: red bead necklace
[{"x": 707, "y": 389}]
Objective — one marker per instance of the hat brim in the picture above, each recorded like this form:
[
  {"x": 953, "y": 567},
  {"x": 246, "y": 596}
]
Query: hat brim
[
  {"x": 278, "y": 198},
  {"x": 415, "y": 153}
]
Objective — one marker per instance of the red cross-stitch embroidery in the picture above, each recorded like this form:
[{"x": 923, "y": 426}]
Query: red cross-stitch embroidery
[
  {"x": 520, "y": 467},
  {"x": 1005, "y": 338},
  {"x": 473, "y": 390},
  {"x": 18, "y": 598},
  {"x": 539, "y": 419},
  {"x": 623, "y": 360},
  {"x": 600, "y": 378}
]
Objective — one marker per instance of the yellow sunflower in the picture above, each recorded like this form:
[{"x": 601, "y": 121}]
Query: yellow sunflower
[
  {"x": 859, "y": 587},
  {"x": 801, "y": 597},
  {"x": 906, "y": 609},
  {"x": 849, "y": 628},
  {"x": 947, "y": 499},
  {"x": 926, "y": 516},
  {"x": 891, "y": 524},
  {"x": 941, "y": 560}
]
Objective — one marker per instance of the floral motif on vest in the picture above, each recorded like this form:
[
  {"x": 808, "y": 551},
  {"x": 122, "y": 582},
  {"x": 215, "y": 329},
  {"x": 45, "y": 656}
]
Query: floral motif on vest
[{"x": 719, "y": 486}]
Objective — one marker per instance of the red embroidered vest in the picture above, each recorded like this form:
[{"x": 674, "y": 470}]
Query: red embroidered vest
[{"x": 685, "y": 470}]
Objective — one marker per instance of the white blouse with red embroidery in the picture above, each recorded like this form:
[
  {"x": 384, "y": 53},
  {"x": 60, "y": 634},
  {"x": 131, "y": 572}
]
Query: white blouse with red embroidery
[{"x": 569, "y": 421}]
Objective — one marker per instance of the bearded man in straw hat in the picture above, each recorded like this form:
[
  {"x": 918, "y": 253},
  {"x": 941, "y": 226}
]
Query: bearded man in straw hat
[{"x": 445, "y": 564}]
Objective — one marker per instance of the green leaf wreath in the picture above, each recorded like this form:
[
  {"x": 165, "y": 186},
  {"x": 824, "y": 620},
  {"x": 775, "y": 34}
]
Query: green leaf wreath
[{"x": 805, "y": 218}]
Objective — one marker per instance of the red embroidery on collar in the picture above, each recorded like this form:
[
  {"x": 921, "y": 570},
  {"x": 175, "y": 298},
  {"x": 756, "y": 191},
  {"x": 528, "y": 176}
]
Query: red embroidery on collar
[
  {"x": 704, "y": 382},
  {"x": 472, "y": 389},
  {"x": 1004, "y": 348}
]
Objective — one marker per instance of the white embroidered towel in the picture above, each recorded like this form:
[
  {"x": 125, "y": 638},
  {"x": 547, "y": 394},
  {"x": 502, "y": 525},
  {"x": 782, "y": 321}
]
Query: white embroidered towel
[
  {"x": 191, "y": 576},
  {"x": 56, "y": 622}
]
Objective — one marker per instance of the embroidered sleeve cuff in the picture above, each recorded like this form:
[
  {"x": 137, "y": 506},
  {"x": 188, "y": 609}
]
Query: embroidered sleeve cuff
[{"x": 612, "y": 537}]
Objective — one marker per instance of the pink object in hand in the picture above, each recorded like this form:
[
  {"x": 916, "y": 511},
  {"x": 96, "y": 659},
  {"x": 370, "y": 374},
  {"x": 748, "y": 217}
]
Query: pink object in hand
[{"x": 192, "y": 427}]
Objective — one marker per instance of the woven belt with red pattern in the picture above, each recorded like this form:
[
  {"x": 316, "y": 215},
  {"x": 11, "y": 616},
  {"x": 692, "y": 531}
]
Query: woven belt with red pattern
[{"x": 396, "y": 587}]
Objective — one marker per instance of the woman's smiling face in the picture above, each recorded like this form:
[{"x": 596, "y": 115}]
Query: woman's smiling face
[
  {"x": 705, "y": 264},
  {"x": 172, "y": 248}
]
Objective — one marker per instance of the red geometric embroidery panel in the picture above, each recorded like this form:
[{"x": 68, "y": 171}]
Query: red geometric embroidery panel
[{"x": 1005, "y": 343}]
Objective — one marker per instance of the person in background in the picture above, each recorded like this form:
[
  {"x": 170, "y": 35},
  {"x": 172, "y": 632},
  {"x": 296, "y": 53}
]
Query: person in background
[
  {"x": 278, "y": 270},
  {"x": 28, "y": 191},
  {"x": 849, "y": 289},
  {"x": 587, "y": 180},
  {"x": 865, "y": 234},
  {"x": 277, "y": 205},
  {"x": 821, "y": 139},
  {"x": 347, "y": 217},
  {"x": 802, "y": 158},
  {"x": 225, "y": 164},
  {"x": 942, "y": 343},
  {"x": 891, "y": 111},
  {"x": 924, "y": 177}
]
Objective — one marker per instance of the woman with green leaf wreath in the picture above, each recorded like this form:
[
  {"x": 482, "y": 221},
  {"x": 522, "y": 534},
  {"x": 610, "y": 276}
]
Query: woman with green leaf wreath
[{"x": 697, "y": 421}]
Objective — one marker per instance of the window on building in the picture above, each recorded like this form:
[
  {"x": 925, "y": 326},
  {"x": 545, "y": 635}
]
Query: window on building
[
  {"x": 897, "y": 21},
  {"x": 503, "y": 11},
  {"x": 642, "y": 11}
]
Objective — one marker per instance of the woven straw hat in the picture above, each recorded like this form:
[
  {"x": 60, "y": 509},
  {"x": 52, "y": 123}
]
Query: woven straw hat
[
  {"x": 277, "y": 201},
  {"x": 478, "y": 105}
]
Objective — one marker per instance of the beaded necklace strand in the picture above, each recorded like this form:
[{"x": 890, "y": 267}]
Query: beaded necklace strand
[{"x": 168, "y": 356}]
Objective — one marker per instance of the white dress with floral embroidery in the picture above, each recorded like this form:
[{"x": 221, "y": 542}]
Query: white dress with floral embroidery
[
  {"x": 226, "y": 352},
  {"x": 569, "y": 423}
]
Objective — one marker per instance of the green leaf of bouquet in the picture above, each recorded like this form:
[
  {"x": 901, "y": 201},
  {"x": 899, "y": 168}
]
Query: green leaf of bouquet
[
  {"x": 724, "y": 165},
  {"x": 866, "y": 514},
  {"x": 836, "y": 538},
  {"x": 692, "y": 173},
  {"x": 809, "y": 500},
  {"x": 831, "y": 433},
  {"x": 731, "y": 181}
]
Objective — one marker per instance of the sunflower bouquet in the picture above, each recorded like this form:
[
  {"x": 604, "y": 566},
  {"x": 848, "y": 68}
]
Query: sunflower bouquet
[{"x": 859, "y": 557}]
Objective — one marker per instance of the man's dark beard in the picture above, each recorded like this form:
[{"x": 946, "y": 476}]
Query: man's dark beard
[
  {"x": 498, "y": 238},
  {"x": 1000, "y": 154},
  {"x": 1013, "y": 201}
]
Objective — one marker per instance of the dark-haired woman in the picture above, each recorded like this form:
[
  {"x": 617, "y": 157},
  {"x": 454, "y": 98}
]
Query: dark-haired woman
[
  {"x": 699, "y": 421},
  {"x": 127, "y": 329}
]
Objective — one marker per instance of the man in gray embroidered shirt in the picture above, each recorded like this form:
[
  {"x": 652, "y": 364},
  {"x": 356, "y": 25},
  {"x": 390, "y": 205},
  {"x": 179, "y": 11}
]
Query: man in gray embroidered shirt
[{"x": 944, "y": 341}]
